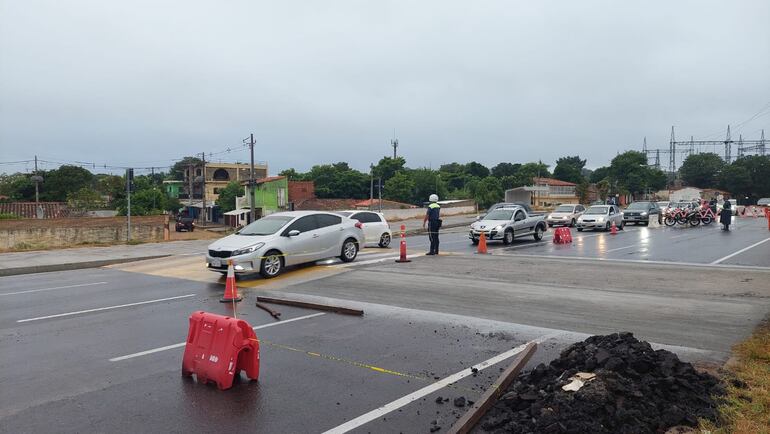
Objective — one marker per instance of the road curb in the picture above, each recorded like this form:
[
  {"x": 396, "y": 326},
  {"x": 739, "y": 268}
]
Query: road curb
[{"x": 33, "y": 269}]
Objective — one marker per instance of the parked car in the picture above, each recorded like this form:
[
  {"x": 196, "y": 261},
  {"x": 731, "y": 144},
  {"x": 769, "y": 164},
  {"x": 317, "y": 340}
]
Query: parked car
[
  {"x": 375, "y": 226},
  {"x": 765, "y": 201},
  {"x": 641, "y": 212},
  {"x": 600, "y": 217},
  {"x": 271, "y": 243},
  {"x": 507, "y": 223},
  {"x": 185, "y": 224},
  {"x": 565, "y": 215}
]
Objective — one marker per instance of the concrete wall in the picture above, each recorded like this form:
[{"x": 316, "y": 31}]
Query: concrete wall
[
  {"x": 74, "y": 231},
  {"x": 404, "y": 214}
]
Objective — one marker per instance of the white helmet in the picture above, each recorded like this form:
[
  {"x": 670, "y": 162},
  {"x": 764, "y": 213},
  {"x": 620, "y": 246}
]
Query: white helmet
[{"x": 433, "y": 198}]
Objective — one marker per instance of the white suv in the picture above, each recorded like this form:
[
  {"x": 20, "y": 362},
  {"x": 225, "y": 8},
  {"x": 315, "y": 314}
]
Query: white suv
[{"x": 376, "y": 228}]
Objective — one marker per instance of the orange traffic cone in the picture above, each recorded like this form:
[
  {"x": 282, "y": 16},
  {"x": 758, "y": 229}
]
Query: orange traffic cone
[
  {"x": 614, "y": 229},
  {"x": 482, "y": 244},
  {"x": 231, "y": 291},
  {"x": 402, "y": 248}
]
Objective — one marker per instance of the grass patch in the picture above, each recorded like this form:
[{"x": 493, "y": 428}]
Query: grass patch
[{"x": 746, "y": 407}]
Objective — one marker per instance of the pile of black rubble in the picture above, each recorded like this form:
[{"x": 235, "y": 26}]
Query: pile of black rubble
[{"x": 636, "y": 390}]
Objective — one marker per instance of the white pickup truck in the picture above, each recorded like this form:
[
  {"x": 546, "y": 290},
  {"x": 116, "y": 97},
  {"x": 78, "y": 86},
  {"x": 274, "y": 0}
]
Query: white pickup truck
[{"x": 507, "y": 223}]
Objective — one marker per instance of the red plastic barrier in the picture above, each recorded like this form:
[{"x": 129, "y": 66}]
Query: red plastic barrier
[
  {"x": 218, "y": 348},
  {"x": 562, "y": 236}
]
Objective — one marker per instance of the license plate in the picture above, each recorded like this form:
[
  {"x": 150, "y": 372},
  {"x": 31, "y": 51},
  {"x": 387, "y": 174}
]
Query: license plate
[{"x": 216, "y": 263}]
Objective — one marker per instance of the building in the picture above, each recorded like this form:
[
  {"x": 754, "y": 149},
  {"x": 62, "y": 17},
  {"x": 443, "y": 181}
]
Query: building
[
  {"x": 173, "y": 188},
  {"x": 271, "y": 195},
  {"x": 31, "y": 210},
  {"x": 217, "y": 176},
  {"x": 544, "y": 193}
]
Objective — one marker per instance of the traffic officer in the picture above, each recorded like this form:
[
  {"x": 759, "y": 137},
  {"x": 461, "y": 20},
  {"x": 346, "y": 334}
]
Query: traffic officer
[{"x": 433, "y": 219}]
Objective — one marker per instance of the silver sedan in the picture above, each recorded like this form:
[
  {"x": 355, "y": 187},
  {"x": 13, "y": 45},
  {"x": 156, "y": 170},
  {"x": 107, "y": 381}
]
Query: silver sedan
[
  {"x": 600, "y": 217},
  {"x": 287, "y": 238}
]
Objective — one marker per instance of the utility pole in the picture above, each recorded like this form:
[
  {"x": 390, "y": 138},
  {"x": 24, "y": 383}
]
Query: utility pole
[
  {"x": 371, "y": 186},
  {"x": 379, "y": 189},
  {"x": 203, "y": 187},
  {"x": 37, "y": 179},
  {"x": 252, "y": 212},
  {"x": 672, "y": 153},
  {"x": 129, "y": 181},
  {"x": 190, "y": 173},
  {"x": 728, "y": 144}
]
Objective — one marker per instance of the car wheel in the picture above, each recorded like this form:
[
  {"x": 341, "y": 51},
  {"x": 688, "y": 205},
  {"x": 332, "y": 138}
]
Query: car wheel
[
  {"x": 607, "y": 228},
  {"x": 621, "y": 225},
  {"x": 508, "y": 237},
  {"x": 475, "y": 242},
  {"x": 349, "y": 250},
  {"x": 572, "y": 223},
  {"x": 538, "y": 233},
  {"x": 580, "y": 229},
  {"x": 272, "y": 264},
  {"x": 385, "y": 240}
]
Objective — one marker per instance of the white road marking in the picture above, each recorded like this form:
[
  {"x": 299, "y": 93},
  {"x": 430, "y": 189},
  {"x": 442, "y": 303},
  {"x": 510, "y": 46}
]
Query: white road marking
[
  {"x": 58, "y": 315},
  {"x": 375, "y": 261},
  {"x": 739, "y": 251},
  {"x": 181, "y": 344},
  {"x": 54, "y": 288},
  {"x": 427, "y": 390},
  {"x": 638, "y": 261},
  {"x": 619, "y": 248}
]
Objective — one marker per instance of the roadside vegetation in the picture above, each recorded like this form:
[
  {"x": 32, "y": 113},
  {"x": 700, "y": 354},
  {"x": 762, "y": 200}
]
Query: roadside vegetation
[{"x": 746, "y": 407}]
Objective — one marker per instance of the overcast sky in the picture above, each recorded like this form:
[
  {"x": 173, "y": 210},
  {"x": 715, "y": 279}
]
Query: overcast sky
[{"x": 145, "y": 82}]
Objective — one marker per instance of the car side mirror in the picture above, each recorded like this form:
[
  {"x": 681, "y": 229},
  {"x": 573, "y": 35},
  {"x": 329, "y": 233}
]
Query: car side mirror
[
  {"x": 293, "y": 233},
  {"x": 478, "y": 218}
]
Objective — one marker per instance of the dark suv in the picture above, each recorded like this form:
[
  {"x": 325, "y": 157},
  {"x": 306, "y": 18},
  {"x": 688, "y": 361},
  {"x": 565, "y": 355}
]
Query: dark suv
[
  {"x": 640, "y": 213},
  {"x": 185, "y": 224}
]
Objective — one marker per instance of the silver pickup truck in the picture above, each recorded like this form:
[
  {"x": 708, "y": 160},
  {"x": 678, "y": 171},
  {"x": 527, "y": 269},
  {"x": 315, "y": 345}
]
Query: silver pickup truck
[{"x": 507, "y": 223}]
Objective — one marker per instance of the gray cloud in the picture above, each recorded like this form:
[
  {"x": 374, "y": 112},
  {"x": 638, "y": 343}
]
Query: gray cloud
[{"x": 146, "y": 82}]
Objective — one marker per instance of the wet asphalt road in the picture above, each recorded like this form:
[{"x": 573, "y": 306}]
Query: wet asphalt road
[
  {"x": 698, "y": 245},
  {"x": 58, "y": 332},
  {"x": 318, "y": 372}
]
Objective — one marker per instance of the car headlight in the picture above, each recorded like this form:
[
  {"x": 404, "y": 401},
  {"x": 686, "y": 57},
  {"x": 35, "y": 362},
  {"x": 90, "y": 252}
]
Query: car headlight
[
  {"x": 249, "y": 249},
  {"x": 600, "y": 219},
  {"x": 644, "y": 213},
  {"x": 498, "y": 228}
]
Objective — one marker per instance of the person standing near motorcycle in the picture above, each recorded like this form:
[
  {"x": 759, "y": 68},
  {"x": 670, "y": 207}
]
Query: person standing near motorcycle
[
  {"x": 726, "y": 216},
  {"x": 713, "y": 205}
]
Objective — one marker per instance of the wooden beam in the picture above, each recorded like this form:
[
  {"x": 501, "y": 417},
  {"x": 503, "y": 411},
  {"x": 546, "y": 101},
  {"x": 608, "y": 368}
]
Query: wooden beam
[{"x": 316, "y": 306}]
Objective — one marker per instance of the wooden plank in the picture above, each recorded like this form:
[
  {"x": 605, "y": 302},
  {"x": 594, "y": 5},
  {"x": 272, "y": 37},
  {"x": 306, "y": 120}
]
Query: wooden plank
[
  {"x": 488, "y": 399},
  {"x": 316, "y": 306}
]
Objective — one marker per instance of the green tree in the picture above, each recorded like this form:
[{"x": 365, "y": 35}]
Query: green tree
[
  {"x": 387, "y": 167},
  {"x": 702, "y": 170},
  {"x": 505, "y": 169},
  {"x": 452, "y": 168},
  {"x": 737, "y": 180},
  {"x": 476, "y": 169},
  {"x": 581, "y": 189},
  {"x": 112, "y": 186},
  {"x": 629, "y": 173},
  {"x": 145, "y": 202},
  {"x": 18, "y": 187},
  {"x": 85, "y": 199},
  {"x": 599, "y": 174},
  {"x": 569, "y": 169},
  {"x": 293, "y": 175},
  {"x": 487, "y": 191},
  {"x": 603, "y": 189},
  {"x": 58, "y": 183},
  {"x": 178, "y": 169},
  {"x": 227, "y": 195},
  {"x": 338, "y": 180},
  {"x": 528, "y": 171},
  {"x": 399, "y": 187},
  {"x": 426, "y": 182}
]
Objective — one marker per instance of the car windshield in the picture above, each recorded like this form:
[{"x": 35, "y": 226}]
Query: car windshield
[
  {"x": 598, "y": 210},
  {"x": 564, "y": 208},
  {"x": 763, "y": 201},
  {"x": 500, "y": 214},
  {"x": 639, "y": 205},
  {"x": 265, "y": 226}
]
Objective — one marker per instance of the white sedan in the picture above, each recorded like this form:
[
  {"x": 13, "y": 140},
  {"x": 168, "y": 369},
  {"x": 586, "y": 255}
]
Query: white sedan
[{"x": 376, "y": 228}]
